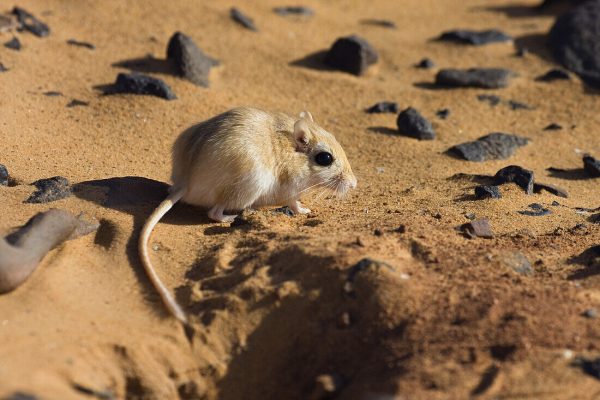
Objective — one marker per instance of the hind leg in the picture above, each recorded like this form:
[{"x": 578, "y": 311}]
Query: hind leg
[
  {"x": 297, "y": 208},
  {"x": 216, "y": 214}
]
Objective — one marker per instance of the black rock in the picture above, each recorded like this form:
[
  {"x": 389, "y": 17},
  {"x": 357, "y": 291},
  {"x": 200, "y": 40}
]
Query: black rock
[
  {"x": 425, "y": 63},
  {"x": 31, "y": 23},
  {"x": 575, "y": 41},
  {"x": 487, "y": 192},
  {"x": 487, "y": 78},
  {"x": 3, "y": 175},
  {"x": 294, "y": 10},
  {"x": 591, "y": 165},
  {"x": 190, "y": 61},
  {"x": 383, "y": 107},
  {"x": 555, "y": 190},
  {"x": 443, "y": 113},
  {"x": 285, "y": 210},
  {"x": 50, "y": 189},
  {"x": 13, "y": 44},
  {"x": 517, "y": 105},
  {"x": 513, "y": 173},
  {"x": 141, "y": 84},
  {"x": 76, "y": 103},
  {"x": 384, "y": 23},
  {"x": 412, "y": 123},
  {"x": 477, "y": 228},
  {"x": 536, "y": 210},
  {"x": 242, "y": 19},
  {"x": 78, "y": 43},
  {"x": 554, "y": 75},
  {"x": 495, "y": 146},
  {"x": 52, "y": 94},
  {"x": 553, "y": 127},
  {"x": 590, "y": 313},
  {"x": 3, "y": 68},
  {"x": 351, "y": 54},
  {"x": 492, "y": 99},
  {"x": 589, "y": 366},
  {"x": 476, "y": 38}
]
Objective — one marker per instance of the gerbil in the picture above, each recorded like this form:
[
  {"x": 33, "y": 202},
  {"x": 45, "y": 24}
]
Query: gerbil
[{"x": 244, "y": 158}]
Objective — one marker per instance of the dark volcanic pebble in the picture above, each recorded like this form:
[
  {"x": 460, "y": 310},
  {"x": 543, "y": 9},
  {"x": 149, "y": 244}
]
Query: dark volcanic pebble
[
  {"x": 141, "y": 84},
  {"x": 590, "y": 313},
  {"x": 553, "y": 127},
  {"x": 75, "y": 103},
  {"x": 383, "y": 107},
  {"x": 443, "y": 113},
  {"x": 412, "y": 123},
  {"x": 486, "y": 78},
  {"x": 575, "y": 41},
  {"x": 425, "y": 63},
  {"x": 285, "y": 210},
  {"x": 384, "y": 23},
  {"x": 513, "y": 173},
  {"x": 536, "y": 210},
  {"x": 495, "y": 146},
  {"x": 31, "y": 23},
  {"x": 242, "y": 19},
  {"x": 517, "y": 105},
  {"x": 13, "y": 44},
  {"x": 294, "y": 10},
  {"x": 351, "y": 54},
  {"x": 52, "y": 94},
  {"x": 492, "y": 99},
  {"x": 591, "y": 166},
  {"x": 476, "y": 38},
  {"x": 487, "y": 192},
  {"x": 477, "y": 228},
  {"x": 555, "y": 190},
  {"x": 50, "y": 189},
  {"x": 554, "y": 75},
  {"x": 3, "y": 175},
  {"x": 589, "y": 366},
  {"x": 87, "y": 45},
  {"x": 190, "y": 61}
]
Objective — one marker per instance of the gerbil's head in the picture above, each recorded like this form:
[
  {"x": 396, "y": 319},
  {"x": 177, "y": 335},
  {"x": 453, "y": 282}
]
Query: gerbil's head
[{"x": 327, "y": 161}]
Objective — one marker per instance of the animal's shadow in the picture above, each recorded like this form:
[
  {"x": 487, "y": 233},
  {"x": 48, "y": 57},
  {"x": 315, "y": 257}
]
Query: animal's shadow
[{"x": 575, "y": 174}]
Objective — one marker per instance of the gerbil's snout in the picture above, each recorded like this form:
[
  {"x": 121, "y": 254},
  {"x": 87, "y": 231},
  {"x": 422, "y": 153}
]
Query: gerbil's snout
[{"x": 344, "y": 182}]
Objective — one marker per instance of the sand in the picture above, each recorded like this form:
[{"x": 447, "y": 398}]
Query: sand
[{"x": 444, "y": 318}]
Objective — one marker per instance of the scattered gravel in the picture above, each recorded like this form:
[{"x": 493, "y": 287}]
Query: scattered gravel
[
  {"x": 13, "y": 44},
  {"x": 486, "y": 78},
  {"x": 242, "y": 19},
  {"x": 515, "y": 174},
  {"x": 383, "y": 107},
  {"x": 191, "y": 62},
  {"x": 50, "y": 189},
  {"x": 411, "y": 123},
  {"x": 135, "y": 83},
  {"x": 351, "y": 54},
  {"x": 536, "y": 210},
  {"x": 31, "y": 23},
  {"x": 476, "y": 38},
  {"x": 495, "y": 146}
]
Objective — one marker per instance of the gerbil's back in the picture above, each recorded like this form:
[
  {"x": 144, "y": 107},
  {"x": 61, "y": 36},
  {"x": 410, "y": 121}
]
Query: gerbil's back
[{"x": 239, "y": 135}]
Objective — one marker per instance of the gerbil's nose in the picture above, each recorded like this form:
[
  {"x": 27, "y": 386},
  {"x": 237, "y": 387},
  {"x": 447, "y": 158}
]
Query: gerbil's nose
[{"x": 353, "y": 182}]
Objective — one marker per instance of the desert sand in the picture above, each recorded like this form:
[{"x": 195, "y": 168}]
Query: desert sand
[{"x": 273, "y": 314}]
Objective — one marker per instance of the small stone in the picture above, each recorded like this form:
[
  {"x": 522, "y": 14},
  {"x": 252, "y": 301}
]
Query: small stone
[
  {"x": 50, "y": 189},
  {"x": 31, "y": 23},
  {"x": 425, "y": 63},
  {"x": 383, "y": 107},
  {"x": 487, "y": 78},
  {"x": 294, "y": 10},
  {"x": 135, "y": 83},
  {"x": 477, "y": 228},
  {"x": 553, "y": 127},
  {"x": 554, "y": 75},
  {"x": 513, "y": 173},
  {"x": 591, "y": 165},
  {"x": 555, "y": 190},
  {"x": 537, "y": 210},
  {"x": 411, "y": 123},
  {"x": 517, "y": 105},
  {"x": 384, "y": 23},
  {"x": 487, "y": 192},
  {"x": 285, "y": 211},
  {"x": 326, "y": 386},
  {"x": 3, "y": 175},
  {"x": 78, "y": 43},
  {"x": 77, "y": 103},
  {"x": 52, "y": 94},
  {"x": 492, "y": 99},
  {"x": 377, "y": 232},
  {"x": 191, "y": 62},
  {"x": 589, "y": 366},
  {"x": 351, "y": 54},
  {"x": 239, "y": 221},
  {"x": 555, "y": 203},
  {"x": 476, "y": 38},
  {"x": 495, "y": 146},
  {"x": 470, "y": 216},
  {"x": 242, "y": 19},
  {"x": 590, "y": 313},
  {"x": 443, "y": 113},
  {"x": 400, "y": 229},
  {"x": 13, "y": 44},
  {"x": 517, "y": 261}
]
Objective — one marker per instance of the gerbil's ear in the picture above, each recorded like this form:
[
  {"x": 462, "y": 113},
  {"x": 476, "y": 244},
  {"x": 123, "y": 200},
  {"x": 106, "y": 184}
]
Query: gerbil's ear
[
  {"x": 307, "y": 115},
  {"x": 302, "y": 134}
]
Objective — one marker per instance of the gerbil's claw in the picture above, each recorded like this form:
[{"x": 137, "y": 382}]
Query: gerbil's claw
[
  {"x": 216, "y": 214},
  {"x": 297, "y": 208}
]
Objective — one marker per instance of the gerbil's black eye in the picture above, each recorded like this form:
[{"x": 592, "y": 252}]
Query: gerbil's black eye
[{"x": 324, "y": 158}]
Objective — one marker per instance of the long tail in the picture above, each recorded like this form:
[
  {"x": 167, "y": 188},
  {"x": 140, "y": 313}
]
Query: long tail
[{"x": 166, "y": 296}]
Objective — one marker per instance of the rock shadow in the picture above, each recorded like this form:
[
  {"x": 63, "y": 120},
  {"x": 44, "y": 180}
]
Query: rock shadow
[{"x": 313, "y": 61}]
